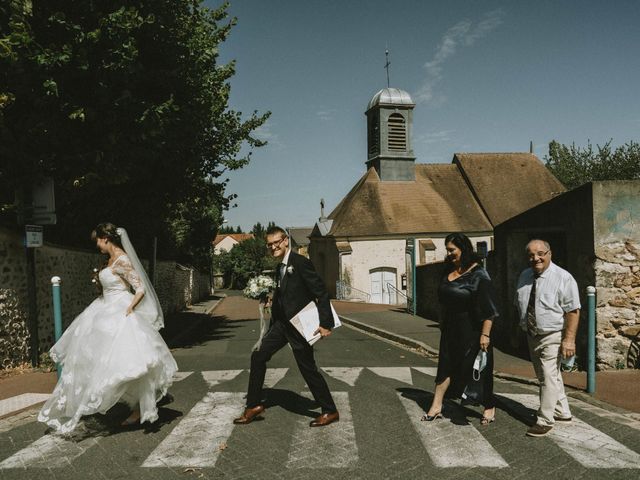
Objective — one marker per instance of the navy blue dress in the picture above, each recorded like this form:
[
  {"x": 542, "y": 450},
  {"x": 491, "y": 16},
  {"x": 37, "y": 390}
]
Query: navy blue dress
[{"x": 466, "y": 302}]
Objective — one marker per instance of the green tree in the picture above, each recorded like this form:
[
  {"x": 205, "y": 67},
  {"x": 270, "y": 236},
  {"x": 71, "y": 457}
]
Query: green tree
[
  {"x": 245, "y": 260},
  {"x": 575, "y": 166},
  {"x": 124, "y": 104}
]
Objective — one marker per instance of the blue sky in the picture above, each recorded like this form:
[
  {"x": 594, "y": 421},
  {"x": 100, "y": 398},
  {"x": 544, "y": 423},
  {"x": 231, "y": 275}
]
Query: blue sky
[{"x": 487, "y": 76}]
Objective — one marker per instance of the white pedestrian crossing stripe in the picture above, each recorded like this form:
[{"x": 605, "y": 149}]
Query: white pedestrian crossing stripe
[
  {"x": 448, "y": 444},
  {"x": 402, "y": 374},
  {"x": 348, "y": 375},
  {"x": 586, "y": 444},
  {"x": 215, "y": 377},
  {"x": 333, "y": 446},
  {"x": 431, "y": 371},
  {"x": 13, "y": 404},
  {"x": 273, "y": 376},
  {"x": 197, "y": 440},
  {"x": 49, "y": 451},
  {"x": 179, "y": 376}
]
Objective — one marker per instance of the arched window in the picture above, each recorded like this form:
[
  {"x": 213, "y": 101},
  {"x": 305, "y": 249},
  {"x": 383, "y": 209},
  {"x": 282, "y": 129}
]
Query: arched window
[{"x": 397, "y": 133}]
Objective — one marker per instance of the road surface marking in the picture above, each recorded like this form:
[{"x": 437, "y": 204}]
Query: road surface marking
[
  {"x": 333, "y": 446},
  {"x": 215, "y": 377},
  {"x": 179, "y": 376},
  {"x": 273, "y": 376},
  {"x": 348, "y": 375},
  {"x": 13, "y": 404},
  {"x": 586, "y": 444},
  {"x": 197, "y": 440},
  {"x": 431, "y": 371},
  {"x": 402, "y": 374},
  {"x": 49, "y": 451},
  {"x": 449, "y": 444}
]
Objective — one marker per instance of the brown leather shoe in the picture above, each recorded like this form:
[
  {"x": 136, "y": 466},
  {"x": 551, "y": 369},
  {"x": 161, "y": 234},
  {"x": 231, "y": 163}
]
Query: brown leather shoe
[
  {"x": 249, "y": 415},
  {"x": 325, "y": 419}
]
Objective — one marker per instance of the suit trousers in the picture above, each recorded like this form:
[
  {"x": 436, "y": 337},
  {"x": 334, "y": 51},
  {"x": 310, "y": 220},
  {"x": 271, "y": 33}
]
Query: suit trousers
[
  {"x": 545, "y": 356},
  {"x": 278, "y": 336}
]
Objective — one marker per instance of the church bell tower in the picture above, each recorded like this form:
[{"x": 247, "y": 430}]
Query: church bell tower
[{"x": 389, "y": 125}]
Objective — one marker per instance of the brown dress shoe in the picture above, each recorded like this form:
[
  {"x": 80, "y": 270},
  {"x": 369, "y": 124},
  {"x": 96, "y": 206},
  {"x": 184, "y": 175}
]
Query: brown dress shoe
[
  {"x": 325, "y": 419},
  {"x": 249, "y": 415}
]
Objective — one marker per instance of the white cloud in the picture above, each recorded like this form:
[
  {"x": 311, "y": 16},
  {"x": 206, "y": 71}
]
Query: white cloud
[
  {"x": 266, "y": 132},
  {"x": 463, "y": 34},
  {"x": 325, "y": 115},
  {"x": 434, "y": 137}
]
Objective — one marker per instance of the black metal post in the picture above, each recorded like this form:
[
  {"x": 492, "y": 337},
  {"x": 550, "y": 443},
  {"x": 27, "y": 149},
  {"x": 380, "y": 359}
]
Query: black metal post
[{"x": 33, "y": 306}]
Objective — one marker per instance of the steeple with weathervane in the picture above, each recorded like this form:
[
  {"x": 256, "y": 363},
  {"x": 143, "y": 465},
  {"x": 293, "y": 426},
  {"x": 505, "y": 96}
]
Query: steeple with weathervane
[{"x": 389, "y": 126}]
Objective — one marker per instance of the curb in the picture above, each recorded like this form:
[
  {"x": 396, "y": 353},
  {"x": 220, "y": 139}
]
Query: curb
[
  {"x": 411, "y": 343},
  {"x": 406, "y": 341},
  {"x": 207, "y": 312}
]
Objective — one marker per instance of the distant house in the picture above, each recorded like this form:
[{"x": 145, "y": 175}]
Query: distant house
[
  {"x": 226, "y": 241},
  {"x": 299, "y": 239},
  {"x": 223, "y": 243},
  {"x": 362, "y": 243}
]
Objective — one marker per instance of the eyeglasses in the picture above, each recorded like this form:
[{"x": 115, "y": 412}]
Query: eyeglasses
[
  {"x": 538, "y": 254},
  {"x": 275, "y": 244}
]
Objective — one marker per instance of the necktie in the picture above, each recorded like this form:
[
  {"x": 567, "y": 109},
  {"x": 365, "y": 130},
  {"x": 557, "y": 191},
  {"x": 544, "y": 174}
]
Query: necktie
[
  {"x": 532, "y": 328},
  {"x": 281, "y": 270}
]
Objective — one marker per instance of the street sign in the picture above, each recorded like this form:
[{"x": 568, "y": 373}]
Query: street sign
[
  {"x": 44, "y": 203},
  {"x": 33, "y": 236}
]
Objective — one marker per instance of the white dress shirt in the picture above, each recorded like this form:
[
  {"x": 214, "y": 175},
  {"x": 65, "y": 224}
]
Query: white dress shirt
[
  {"x": 556, "y": 293},
  {"x": 284, "y": 262}
]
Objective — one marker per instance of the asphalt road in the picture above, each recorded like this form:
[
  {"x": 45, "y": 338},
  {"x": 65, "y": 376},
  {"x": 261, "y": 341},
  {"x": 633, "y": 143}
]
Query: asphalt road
[{"x": 380, "y": 389}]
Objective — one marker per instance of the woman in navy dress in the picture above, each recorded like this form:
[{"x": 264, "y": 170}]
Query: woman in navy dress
[{"x": 468, "y": 309}]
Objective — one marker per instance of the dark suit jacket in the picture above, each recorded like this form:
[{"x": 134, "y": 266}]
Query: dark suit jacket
[{"x": 301, "y": 284}]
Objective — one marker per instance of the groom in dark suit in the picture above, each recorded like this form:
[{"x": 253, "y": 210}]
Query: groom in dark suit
[{"x": 297, "y": 284}]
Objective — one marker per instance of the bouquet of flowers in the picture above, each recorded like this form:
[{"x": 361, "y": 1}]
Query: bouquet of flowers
[
  {"x": 96, "y": 280},
  {"x": 259, "y": 287}
]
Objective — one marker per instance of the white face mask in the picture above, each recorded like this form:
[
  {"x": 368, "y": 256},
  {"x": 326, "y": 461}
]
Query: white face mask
[{"x": 480, "y": 362}]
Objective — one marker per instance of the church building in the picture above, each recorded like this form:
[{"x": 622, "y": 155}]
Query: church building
[{"x": 362, "y": 244}]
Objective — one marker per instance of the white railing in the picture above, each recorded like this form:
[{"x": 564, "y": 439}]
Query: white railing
[
  {"x": 347, "y": 292},
  {"x": 396, "y": 297}
]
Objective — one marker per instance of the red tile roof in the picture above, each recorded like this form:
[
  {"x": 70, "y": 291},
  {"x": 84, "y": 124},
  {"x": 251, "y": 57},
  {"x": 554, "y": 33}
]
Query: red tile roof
[{"x": 238, "y": 237}]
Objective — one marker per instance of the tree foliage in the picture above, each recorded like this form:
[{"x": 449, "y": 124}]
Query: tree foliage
[
  {"x": 245, "y": 260},
  {"x": 125, "y": 105},
  {"x": 260, "y": 231},
  {"x": 575, "y": 166}
]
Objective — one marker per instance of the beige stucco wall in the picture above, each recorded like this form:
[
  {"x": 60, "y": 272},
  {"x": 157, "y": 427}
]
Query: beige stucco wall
[
  {"x": 226, "y": 244},
  {"x": 372, "y": 253}
]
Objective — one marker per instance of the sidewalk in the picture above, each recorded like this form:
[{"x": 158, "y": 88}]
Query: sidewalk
[
  {"x": 22, "y": 391},
  {"x": 620, "y": 388}
]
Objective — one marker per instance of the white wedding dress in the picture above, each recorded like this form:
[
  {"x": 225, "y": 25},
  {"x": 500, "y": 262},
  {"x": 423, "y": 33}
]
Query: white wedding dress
[{"x": 107, "y": 356}]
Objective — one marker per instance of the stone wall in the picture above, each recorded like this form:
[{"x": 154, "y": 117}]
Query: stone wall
[
  {"x": 617, "y": 270},
  {"x": 176, "y": 286},
  {"x": 618, "y": 301}
]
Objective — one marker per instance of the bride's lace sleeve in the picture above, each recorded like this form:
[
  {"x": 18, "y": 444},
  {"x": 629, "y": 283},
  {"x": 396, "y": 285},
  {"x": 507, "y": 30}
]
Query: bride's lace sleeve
[{"x": 124, "y": 269}]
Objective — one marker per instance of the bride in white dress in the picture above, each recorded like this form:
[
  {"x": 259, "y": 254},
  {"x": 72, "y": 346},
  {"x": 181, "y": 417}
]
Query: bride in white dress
[{"x": 112, "y": 351}]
